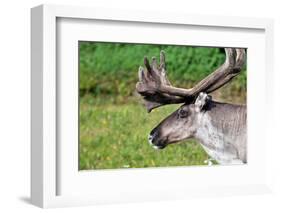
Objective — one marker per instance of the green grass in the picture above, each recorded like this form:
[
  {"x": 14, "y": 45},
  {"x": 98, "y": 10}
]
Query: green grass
[{"x": 115, "y": 136}]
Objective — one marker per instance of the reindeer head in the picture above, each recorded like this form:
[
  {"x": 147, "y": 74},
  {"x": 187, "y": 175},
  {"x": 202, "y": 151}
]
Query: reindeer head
[
  {"x": 157, "y": 90},
  {"x": 180, "y": 125}
]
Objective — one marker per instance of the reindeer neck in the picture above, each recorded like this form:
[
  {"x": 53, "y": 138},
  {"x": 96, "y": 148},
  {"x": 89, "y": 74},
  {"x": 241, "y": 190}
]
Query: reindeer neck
[{"x": 218, "y": 129}]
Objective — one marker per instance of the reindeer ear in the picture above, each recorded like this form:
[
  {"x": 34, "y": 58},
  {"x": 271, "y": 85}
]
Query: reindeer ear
[{"x": 201, "y": 101}]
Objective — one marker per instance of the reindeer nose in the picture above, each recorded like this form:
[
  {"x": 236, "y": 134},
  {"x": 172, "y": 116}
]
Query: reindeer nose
[
  {"x": 150, "y": 139},
  {"x": 154, "y": 143}
]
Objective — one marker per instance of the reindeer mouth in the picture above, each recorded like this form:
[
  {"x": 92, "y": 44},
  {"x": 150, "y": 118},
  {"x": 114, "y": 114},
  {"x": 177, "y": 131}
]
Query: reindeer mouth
[{"x": 158, "y": 147}]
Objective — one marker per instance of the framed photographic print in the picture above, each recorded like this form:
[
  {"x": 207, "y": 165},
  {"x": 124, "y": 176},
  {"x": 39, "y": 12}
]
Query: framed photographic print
[{"x": 129, "y": 106}]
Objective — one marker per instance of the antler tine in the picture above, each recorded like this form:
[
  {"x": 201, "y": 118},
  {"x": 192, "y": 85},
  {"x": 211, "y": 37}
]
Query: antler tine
[
  {"x": 162, "y": 68},
  {"x": 162, "y": 60},
  {"x": 240, "y": 58}
]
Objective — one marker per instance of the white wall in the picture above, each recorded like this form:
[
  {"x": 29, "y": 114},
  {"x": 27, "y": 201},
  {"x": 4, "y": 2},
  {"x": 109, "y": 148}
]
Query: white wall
[{"x": 14, "y": 107}]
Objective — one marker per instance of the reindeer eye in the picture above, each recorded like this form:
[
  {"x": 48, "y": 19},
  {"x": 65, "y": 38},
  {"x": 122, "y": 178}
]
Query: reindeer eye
[{"x": 183, "y": 113}]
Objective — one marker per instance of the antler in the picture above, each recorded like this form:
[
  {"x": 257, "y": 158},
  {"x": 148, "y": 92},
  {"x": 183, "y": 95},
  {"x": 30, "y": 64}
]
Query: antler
[{"x": 157, "y": 90}]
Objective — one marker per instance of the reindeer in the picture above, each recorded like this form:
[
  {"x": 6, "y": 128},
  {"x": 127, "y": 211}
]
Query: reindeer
[{"x": 220, "y": 128}]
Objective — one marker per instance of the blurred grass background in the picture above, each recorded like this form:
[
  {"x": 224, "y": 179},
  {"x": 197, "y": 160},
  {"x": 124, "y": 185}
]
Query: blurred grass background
[{"x": 113, "y": 123}]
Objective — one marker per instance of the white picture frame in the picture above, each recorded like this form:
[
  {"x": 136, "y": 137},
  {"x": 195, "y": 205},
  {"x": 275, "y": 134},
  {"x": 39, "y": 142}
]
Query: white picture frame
[{"x": 52, "y": 162}]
